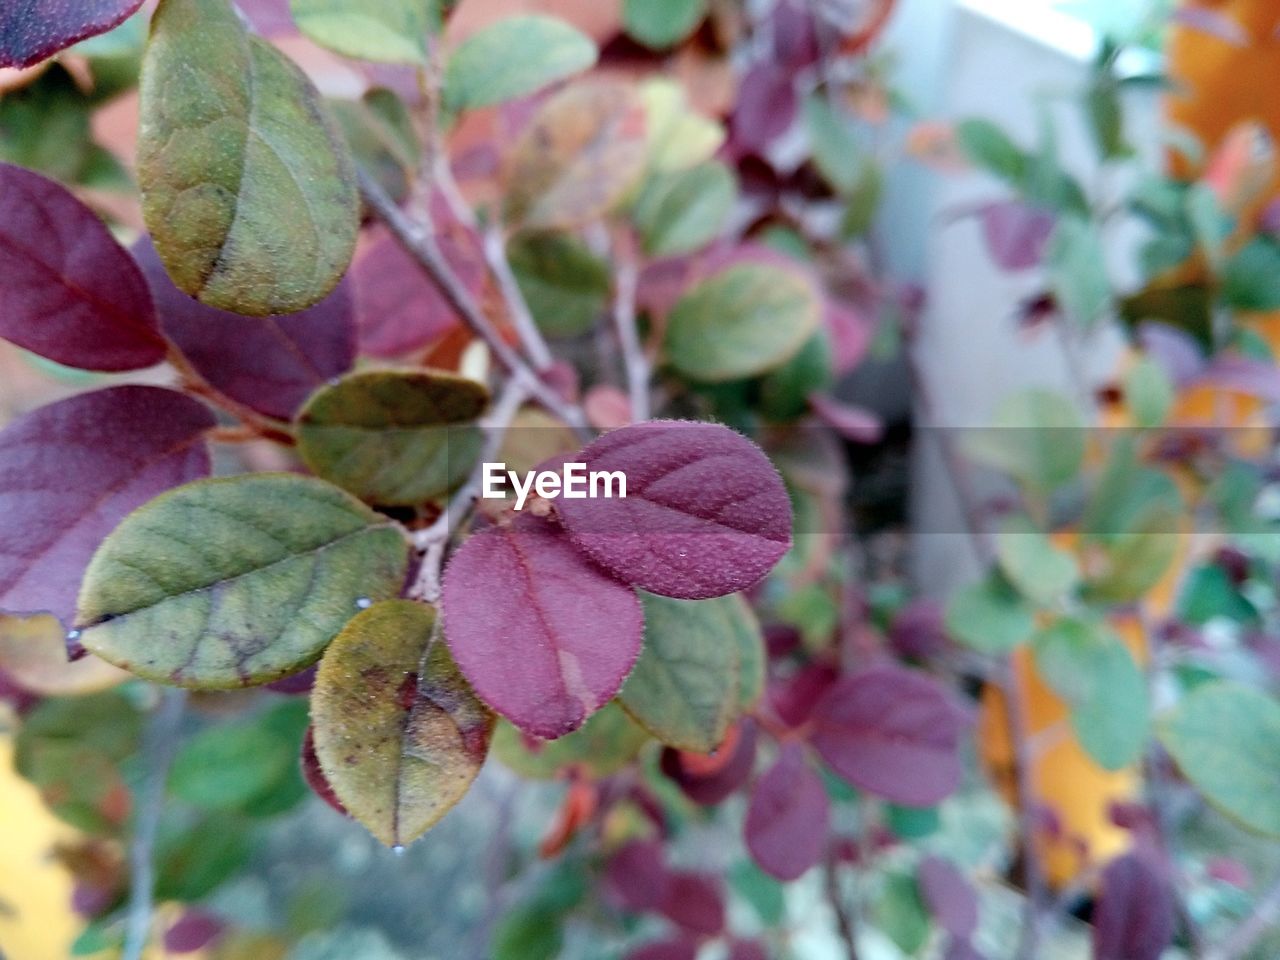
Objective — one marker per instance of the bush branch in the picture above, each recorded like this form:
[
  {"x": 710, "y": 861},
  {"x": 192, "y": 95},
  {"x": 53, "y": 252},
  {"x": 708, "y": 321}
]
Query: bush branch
[
  {"x": 634, "y": 359},
  {"x": 160, "y": 744}
]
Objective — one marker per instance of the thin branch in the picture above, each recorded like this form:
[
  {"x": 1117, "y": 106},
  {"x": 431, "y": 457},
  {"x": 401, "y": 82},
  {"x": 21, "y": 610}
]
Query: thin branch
[
  {"x": 434, "y": 540},
  {"x": 191, "y": 380},
  {"x": 159, "y": 746},
  {"x": 420, "y": 243},
  {"x": 635, "y": 361},
  {"x": 835, "y": 896},
  {"x": 495, "y": 254},
  {"x": 1037, "y": 892}
]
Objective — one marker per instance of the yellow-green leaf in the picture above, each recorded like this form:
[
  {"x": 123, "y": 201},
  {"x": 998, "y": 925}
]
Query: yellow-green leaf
[
  {"x": 743, "y": 321},
  {"x": 385, "y": 31},
  {"x": 237, "y": 581},
  {"x": 579, "y": 158},
  {"x": 1226, "y": 740},
  {"x": 602, "y": 746},
  {"x": 682, "y": 211},
  {"x": 684, "y": 689},
  {"x": 393, "y": 437},
  {"x": 512, "y": 58},
  {"x": 398, "y": 733},
  {"x": 247, "y": 187},
  {"x": 678, "y": 136}
]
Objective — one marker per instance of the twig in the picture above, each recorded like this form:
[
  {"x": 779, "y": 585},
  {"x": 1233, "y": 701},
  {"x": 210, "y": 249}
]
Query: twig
[
  {"x": 1265, "y": 914},
  {"x": 634, "y": 360},
  {"x": 495, "y": 254},
  {"x": 844, "y": 919},
  {"x": 193, "y": 382},
  {"x": 160, "y": 745},
  {"x": 1037, "y": 892},
  {"x": 420, "y": 243},
  {"x": 434, "y": 540}
]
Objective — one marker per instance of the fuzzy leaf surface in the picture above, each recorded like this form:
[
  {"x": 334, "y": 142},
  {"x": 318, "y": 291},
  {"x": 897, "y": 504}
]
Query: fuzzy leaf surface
[
  {"x": 543, "y": 636},
  {"x": 68, "y": 290},
  {"x": 398, "y": 733},
  {"x": 33, "y": 30},
  {"x": 705, "y": 515},
  {"x": 393, "y": 437},
  {"x": 232, "y": 134},
  {"x": 69, "y": 472},
  {"x": 236, "y": 581},
  {"x": 892, "y": 732}
]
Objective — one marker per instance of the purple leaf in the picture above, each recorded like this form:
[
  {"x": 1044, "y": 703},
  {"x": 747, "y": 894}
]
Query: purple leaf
[
  {"x": 398, "y": 310},
  {"x": 192, "y": 932},
  {"x": 1239, "y": 374},
  {"x": 695, "y": 902},
  {"x": 892, "y": 732},
  {"x": 1212, "y": 22},
  {"x": 1134, "y": 915},
  {"x": 705, "y": 513},
  {"x": 636, "y": 876},
  {"x": 747, "y": 950},
  {"x": 1173, "y": 349},
  {"x": 795, "y": 41},
  {"x": 962, "y": 950},
  {"x": 794, "y": 697},
  {"x": 788, "y": 817},
  {"x": 857, "y": 424},
  {"x": 850, "y": 331},
  {"x": 709, "y": 789},
  {"x": 296, "y": 684},
  {"x": 767, "y": 106},
  {"x": 917, "y": 630},
  {"x": 314, "y": 776},
  {"x": 680, "y": 948},
  {"x": 947, "y": 895},
  {"x": 544, "y": 637},
  {"x": 69, "y": 472},
  {"x": 68, "y": 290},
  {"x": 32, "y": 31},
  {"x": 271, "y": 364},
  {"x": 1017, "y": 234}
]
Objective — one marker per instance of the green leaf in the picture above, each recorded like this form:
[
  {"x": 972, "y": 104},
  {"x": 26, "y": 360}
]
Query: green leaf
[
  {"x": 398, "y": 733},
  {"x": 579, "y": 158},
  {"x": 1210, "y": 224},
  {"x": 1127, "y": 565},
  {"x": 837, "y": 152},
  {"x": 247, "y": 187},
  {"x": 528, "y": 933},
  {"x": 1148, "y": 392},
  {"x": 45, "y": 126},
  {"x": 1225, "y": 738},
  {"x": 1041, "y": 571},
  {"x": 659, "y": 24},
  {"x": 1078, "y": 270},
  {"x": 678, "y": 136},
  {"x": 237, "y": 581},
  {"x": 745, "y": 320},
  {"x": 1091, "y": 669},
  {"x": 784, "y": 393},
  {"x": 1037, "y": 437},
  {"x": 684, "y": 689},
  {"x": 379, "y": 130},
  {"x": 393, "y": 437},
  {"x": 513, "y": 58},
  {"x": 1251, "y": 280},
  {"x": 766, "y": 895},
  {"x": 900, "y": 913},
  {"x": 986, "y": 145},
  {"x": 752, "y": 655},
  {"x": 241, "y": 766},
  {"x": 194, "y": 859},
  {"x": 912, "y": 823},
  {"x": 1209, "y": 593},
  {"x": 565, "y": 284},
  {"x": 385, "y": 31},
  {"x": 989, "y": 616},
  {"x": 602, "y": 746},
  {"x": 683, "y": 211}
]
